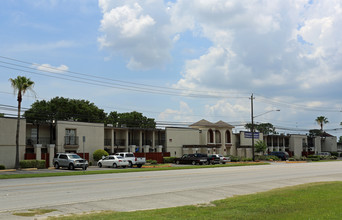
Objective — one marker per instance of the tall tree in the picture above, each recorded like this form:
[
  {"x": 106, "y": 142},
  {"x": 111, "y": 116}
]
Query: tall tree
[
  {"x": 130, "y": 119},
  {"x": 21, "y": 84},
  {"x": 265, "y": 128},
  {"x": 60, "y": 108},
  {"x": 321, "y": 120}
]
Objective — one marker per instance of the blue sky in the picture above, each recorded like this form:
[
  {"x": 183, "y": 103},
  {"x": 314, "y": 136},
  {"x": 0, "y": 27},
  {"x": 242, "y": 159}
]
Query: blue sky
[{"x": 180, "y": 61}]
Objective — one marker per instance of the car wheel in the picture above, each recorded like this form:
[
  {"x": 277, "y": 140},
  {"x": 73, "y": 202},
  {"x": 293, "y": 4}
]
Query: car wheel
[
  {"x": 115, "y": 165},
  {"x": 71, "y": 166},
  {"x": 193, "y": 162},
  {"x": 123, "y": 166},
  {"x": 223, "y": 162},
  {"x": 56, "y": 165},
  {"x": 99, "y": 164},
  {"x": 177, "y": 162},
  {"x": 139, "y": 165},
  {"x": 130, "y": 164}
]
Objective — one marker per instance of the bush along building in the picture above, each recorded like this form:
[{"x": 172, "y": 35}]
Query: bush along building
[{"x": 43, "y": 140}]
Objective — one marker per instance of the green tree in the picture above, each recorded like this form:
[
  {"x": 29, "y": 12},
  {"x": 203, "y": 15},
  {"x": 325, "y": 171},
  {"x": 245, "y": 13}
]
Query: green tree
[
  {"x": 60, "y": 108},
  {"x": 265, "y": 128},
  {"x": 315, "y": 132},
  {"x": 130, "y": 119},
  {"x": 2, "y": 115},
  {"x": 21, "y": 84},
  {"x": 260, "y": 146},
  {"x": 321, "y": 120}
]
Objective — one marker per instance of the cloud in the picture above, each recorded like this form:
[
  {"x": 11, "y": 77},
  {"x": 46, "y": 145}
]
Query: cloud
[
  {"x": 184, "y": 113},
  {"x": 138, "y": 31},
  {"x": 49, "y": 68},
  {"x": 267, "y": 47}
]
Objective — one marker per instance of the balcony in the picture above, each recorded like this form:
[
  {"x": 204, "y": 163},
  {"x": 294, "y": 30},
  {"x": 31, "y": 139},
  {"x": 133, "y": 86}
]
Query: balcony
[
  {"x": 71, "y": 140},
  {"x": 108, "y": 142},
  {"x": 31, "y": 141}
]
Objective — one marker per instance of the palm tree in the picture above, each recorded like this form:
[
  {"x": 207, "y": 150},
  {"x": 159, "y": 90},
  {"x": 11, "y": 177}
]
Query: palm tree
[
  {"x": 21, "y": 84},
  {"x": 321, "y": 120}
]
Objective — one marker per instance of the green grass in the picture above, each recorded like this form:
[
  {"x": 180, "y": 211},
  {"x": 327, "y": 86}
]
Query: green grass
[
  {"x": 309, "y": 201},
  {"x": 74, "y": 173}
]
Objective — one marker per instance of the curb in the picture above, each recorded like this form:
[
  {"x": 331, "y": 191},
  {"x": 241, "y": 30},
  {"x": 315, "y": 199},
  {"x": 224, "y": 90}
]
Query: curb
[{"x": 25, "y": 169}]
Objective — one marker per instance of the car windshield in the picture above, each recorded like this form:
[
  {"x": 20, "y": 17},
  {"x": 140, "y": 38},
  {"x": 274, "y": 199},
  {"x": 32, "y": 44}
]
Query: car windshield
[
  {"x": 74, "y": 156},
  {"x": 119, "y": 157}
]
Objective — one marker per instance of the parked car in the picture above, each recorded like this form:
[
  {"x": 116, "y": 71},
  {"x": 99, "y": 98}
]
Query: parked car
[
  {"x": 192, "y": 159},
  {"x": 132, "y": 159},
  {"x": 69, "y": 160},
  {"x": 280, "y": 154},
  {"x": 213, "y": 159},
  {"x": 324, "y": 154},
  {"x": 222, "y": 159},
  {"x": 113, "y": 161}
]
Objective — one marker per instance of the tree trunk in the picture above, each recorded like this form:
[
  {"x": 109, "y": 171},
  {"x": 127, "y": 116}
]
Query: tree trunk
[{"x": 17, "y": 164}]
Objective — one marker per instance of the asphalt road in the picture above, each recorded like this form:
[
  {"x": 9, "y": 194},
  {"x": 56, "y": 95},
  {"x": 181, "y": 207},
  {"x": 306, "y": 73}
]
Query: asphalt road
[{"x": 149, "y": 190}]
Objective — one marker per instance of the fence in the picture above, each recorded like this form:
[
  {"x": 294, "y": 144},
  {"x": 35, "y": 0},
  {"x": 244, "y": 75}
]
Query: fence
[{"x": 158, "y": 156}]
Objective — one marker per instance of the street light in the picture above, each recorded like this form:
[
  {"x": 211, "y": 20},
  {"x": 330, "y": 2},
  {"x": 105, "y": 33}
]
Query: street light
[{"x": 252, "y": 117}]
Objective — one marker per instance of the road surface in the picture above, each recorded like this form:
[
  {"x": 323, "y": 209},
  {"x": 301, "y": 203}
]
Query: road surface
[{"x": 159, "y": 189}]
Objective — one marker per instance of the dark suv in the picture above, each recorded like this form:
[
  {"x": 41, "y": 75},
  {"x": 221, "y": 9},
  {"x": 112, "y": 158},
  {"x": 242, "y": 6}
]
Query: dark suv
[
  {"x": 282, "y": 155},
  {"x": 69, "y": 160},
  {"x": 192, "y": 159}
]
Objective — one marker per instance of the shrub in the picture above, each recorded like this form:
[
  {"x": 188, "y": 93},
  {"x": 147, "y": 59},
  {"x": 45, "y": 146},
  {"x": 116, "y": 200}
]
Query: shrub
[
  {"x": 235, "y": 158},
  {"x": 169, "y": 159},
  {"x": 98, "y": 154},
  {"x": 292, "y": 159},
  {"x": 247, "y": 159},
  {"x": 314, "y": 157},
  {"x": 267, "y": 157},
  {"x": 151, "y": 161},
  {"x": 333, "y": 158},
  {"x": 2, "y": 167},
  {"x": 40, "y": 164},
  {"x": 334, "y": 154}
]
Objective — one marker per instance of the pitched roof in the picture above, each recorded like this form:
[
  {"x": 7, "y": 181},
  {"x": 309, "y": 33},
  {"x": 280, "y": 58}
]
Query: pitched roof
[
  {"x": 205, "y": 123},
  {"x": 202, "y": 123},
  {"x": 223, "y": 124}
]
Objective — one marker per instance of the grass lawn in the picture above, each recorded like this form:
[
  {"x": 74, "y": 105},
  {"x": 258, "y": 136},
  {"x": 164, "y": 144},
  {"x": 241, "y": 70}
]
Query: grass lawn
[
  {"x": 309, "y": 201},
  {"x": 106, "y": 171}
]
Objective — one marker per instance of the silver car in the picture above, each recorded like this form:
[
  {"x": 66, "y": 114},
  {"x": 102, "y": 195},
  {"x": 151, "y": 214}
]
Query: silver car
[
  {"x": 113, "y": 161},
  {"x": 223, "y": 159},
  {"x": 69, "y": 160}
]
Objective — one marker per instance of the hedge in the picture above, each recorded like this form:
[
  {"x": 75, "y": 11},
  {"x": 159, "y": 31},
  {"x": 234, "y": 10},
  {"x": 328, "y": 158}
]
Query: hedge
[
  {"x": 152, "y": 162},
  {"x": 2, "y": 167},
  {"x": 40, "y": 164},
  {"x": 169, "y": 159}
]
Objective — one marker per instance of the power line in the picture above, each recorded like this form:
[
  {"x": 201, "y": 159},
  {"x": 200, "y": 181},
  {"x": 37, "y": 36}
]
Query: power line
[{"x": 139, "y": 87}]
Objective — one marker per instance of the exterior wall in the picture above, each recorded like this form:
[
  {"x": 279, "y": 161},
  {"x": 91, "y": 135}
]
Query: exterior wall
[
  {"x": 296, "y": 144},
  {"x": 247, "y": 142},
  {"x": 329, "y": 144},
  {"x": 177, "y": 137},
  {"x": 318, "y": 144},
  {"x": 93, "y": 133},
  {"x": 8, "y": 129}
]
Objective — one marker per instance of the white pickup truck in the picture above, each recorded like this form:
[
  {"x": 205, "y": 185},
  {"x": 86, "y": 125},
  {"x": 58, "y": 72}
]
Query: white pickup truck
[{"x": 129, "y": 156}]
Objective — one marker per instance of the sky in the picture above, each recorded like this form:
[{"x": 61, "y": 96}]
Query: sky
[{"x": 180, "y": 61}]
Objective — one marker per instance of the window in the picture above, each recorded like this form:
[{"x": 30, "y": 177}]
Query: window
[{"x": 70, "y": 137}]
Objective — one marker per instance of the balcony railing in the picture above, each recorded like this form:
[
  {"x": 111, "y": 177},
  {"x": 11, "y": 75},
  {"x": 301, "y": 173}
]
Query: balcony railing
[
  {"x": 70, "y": 140},
  {"x": 31, "y": 141},
  {"x": 107, "y": 142},
  {"x": 119, "y": 142}
]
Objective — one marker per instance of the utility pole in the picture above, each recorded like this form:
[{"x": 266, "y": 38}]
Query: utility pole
[{"x": 252, "y": 117}]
